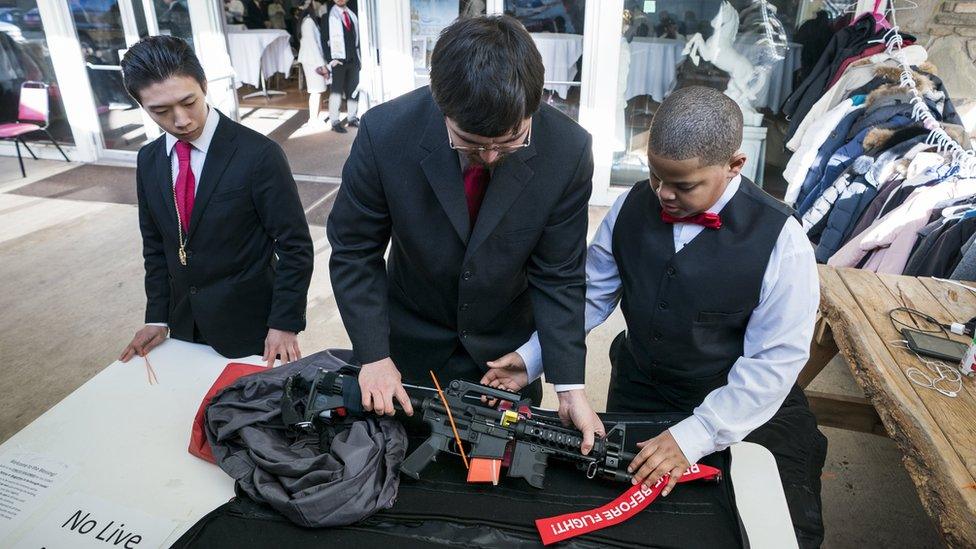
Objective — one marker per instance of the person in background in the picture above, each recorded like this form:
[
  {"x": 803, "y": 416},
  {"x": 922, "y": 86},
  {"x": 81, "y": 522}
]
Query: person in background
[
  {"x": 227, "y": 251},
  {"x": 341, "y": 37},
  {"x": 313, "y": 62},
  {"x": 235, "y": 12},
  {"x": 276, "y": 15},
  {"x": 255, "y": 14}
]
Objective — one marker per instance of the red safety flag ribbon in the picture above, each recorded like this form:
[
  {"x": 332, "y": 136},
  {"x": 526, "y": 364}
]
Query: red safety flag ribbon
[{"x": 628, "y": 505}]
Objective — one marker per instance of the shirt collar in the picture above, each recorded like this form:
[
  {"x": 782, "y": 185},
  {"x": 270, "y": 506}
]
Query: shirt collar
[
  {"x": 730, "y": 191},
  {"x": 201, "y": 143}
]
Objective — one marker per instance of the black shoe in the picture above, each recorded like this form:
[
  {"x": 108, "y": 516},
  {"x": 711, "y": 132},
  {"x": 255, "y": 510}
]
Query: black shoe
[
  {"x": 337, "y": 128},
  {"x": 353, "y": 122}
]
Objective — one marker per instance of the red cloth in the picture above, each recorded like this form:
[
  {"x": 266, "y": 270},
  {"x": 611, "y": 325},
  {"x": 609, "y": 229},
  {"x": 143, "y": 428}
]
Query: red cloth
[
  {"x": 708, "y": 220},
  {"x": 185, "y": 184},
  {"x": 346, "y": 21},
  {"x": 625, "y": 507},
  {"x": 198, "y": 437},
  {"x": 476, "y": 177}
]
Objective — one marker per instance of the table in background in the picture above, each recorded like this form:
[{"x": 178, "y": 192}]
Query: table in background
[
  {"x": 259, "y": 54},
  {"x": 936, "y": 434},
  {"x": 654, "y": 63},
  {"x": 560, "y": 52}
]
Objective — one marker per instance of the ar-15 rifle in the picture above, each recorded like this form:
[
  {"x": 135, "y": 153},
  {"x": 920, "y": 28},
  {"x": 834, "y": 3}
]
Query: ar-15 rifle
[{"x": 491, "y": 432}]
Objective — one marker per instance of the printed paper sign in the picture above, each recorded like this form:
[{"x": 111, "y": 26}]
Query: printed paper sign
[
  {"x": 83, "y": 520},
  {"x": 26, "y": 481}
]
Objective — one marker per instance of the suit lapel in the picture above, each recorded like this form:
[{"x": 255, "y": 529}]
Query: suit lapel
[
  {"x": 443, "y": 173},
  {"x": 507, "y": 182},
  {"x": 222, "y": 149},
  {"x": 163, "y": 168}
]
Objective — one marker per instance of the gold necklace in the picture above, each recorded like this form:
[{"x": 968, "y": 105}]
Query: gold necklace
[{"x": 179, "y": 230}]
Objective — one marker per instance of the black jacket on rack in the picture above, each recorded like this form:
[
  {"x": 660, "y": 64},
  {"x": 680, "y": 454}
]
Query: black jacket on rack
[{"x": 847, "y": 42}]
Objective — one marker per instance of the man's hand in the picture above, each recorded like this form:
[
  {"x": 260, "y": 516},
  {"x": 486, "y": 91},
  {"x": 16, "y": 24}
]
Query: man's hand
[
  {"x": 507, "y": 372},
  {"x": 574, "y": 409},
  {"x": 334, "y": 63},
  {"x": 380, "y": 384},
  {"x": 144, "y": 341},
  {"x": 659, "y": 456},
  {"x": 281, "y": 343}
]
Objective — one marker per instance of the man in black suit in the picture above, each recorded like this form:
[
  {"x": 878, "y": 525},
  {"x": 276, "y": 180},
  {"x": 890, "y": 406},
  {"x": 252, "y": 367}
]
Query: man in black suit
[
  {"x": 481, "y": 194},
  {"x": 255, "y": 14},
  {"x": 227, "y": 249}
]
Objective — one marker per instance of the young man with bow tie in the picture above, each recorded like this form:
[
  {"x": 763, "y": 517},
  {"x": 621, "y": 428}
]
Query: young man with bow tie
[
  {"x": 719, "y": 288},
  {"x": 480, "y": 192},
  {"x": 227, "y": 249}
]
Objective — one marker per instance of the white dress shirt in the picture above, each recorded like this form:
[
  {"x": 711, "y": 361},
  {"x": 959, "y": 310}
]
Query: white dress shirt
[
  {"x": 198, "y": 156},
  {"x": 777, "y": 338}
]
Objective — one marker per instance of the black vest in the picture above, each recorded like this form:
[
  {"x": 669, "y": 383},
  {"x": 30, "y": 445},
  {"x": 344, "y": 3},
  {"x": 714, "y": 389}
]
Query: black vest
[{"x": 687, "y": 312}]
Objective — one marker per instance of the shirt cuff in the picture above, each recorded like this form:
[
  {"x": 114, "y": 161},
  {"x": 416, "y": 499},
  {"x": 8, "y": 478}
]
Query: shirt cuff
[
  {"x": 693, "y": 438},
  {"x": 531, "y": 354},
  {"x": 572, "y": 387},
  {"x": 163, "y": 324}
]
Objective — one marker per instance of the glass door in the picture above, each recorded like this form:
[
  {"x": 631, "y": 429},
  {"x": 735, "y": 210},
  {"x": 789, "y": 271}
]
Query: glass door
[{"x": 106, "y": 28}]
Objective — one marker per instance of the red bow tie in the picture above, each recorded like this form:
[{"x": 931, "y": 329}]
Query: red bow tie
[{"x": 708, "y": 220}]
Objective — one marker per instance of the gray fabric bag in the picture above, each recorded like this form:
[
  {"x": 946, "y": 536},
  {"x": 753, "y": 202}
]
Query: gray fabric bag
[{"x": 357, "y": 477}]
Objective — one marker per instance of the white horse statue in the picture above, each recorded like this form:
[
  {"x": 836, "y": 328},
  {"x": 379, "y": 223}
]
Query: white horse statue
[{"x": 745, "y": 81}]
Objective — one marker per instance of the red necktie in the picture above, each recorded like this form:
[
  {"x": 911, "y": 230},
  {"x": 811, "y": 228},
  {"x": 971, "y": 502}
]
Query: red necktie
[
  {"x": 185, "y": 184},
  {"x": 346, "y": 22},
  {"x": 708, "y": 220},
  {"x": 476, "y": 177}
]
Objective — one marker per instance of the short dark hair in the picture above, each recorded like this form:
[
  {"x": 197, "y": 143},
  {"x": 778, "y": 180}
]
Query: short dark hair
[
  {"x": 156, "y": 58},
  {"x": 486, "y": 74},
  {"x": 697, "y": 122}
]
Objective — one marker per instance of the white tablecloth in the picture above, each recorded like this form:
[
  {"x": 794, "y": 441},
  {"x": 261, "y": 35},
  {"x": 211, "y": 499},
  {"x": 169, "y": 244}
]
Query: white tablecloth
[
  {"x": 560, "y": 52},
  {"x": 653, "y": 69},
  {"x": 255, "y": 51},
  {"x": 653, "y": 66}
]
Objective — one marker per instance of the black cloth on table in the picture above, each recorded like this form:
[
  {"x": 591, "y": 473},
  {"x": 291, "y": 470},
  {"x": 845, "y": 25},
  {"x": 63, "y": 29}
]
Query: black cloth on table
[{"x": 441, "y": 509}]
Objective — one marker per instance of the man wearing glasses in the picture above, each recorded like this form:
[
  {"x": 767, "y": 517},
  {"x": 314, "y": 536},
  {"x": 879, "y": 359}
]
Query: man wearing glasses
[{"x": 481, "y": 195}]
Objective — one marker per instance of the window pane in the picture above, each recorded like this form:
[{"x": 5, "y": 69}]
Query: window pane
[
  {"x": 557, "y": 28},
  {"x": 24, "y": 57},
  {"x": 427, "y": 19},
  {"x": 744, "y": 52}
]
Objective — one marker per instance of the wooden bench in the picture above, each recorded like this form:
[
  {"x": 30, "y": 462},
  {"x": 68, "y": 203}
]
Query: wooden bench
[{"x": 936, "y": 433}]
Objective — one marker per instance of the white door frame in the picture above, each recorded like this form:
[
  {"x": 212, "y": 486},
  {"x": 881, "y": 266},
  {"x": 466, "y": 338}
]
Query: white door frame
[{"x": 598, "y": 97}]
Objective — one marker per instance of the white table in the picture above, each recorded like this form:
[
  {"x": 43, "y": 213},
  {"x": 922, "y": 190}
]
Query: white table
[
  {"x": 653, "y": 66},
  {"x": 126, "y": 442},
  {"x": 560, "y": 52},
  {"x": 259, "y": 54},
  {"x": 654, "y": 62}
]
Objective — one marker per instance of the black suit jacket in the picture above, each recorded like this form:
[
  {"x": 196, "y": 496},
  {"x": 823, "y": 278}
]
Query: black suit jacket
[
  {"x": 520, "y": 268},
  {"x": 255, "y": 16},
  {"x": 246, "y": 211}
]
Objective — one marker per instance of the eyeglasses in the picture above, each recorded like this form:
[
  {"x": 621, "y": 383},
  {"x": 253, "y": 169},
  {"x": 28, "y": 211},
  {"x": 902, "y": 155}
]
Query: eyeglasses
[{"x": 504, "y": 149}]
